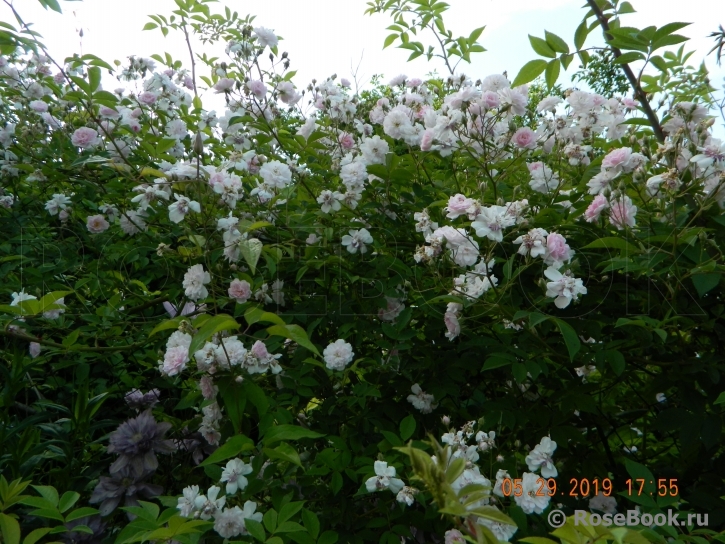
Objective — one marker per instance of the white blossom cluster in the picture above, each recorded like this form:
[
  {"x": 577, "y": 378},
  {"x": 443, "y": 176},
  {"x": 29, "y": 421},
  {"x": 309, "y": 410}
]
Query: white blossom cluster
[{"x": 229, "y": 522}]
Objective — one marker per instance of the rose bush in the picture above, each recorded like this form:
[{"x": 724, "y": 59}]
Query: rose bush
[{"x": 268, "y": 320}]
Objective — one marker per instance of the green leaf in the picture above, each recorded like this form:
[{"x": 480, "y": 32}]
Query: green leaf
[
  {"x": 407, "y": 427},
  {"x": 256, "y": 394},
  {"x": 496, "y": 362},
  {"x": 295, "y": 333},
  {"x": 720, "y": 398},
  {"x": 668, "y": 29},
  {"x": 580, "y": 36},
  {"x": 221, "y": 322},
  {"x": 573, "y": 344},
  {"x": 494, "y": 514},
  {"x": 251, "y": 250},
  {"x": 289, "y": 510},
  {"x": 612, "y": 242},
  {"x": 94, "y": 77},
  {"x": 556, "y": 43},
  {"x": 389, "y": 40},
  {"x": 705, "y": 282},
  {"x": 630, "y": 56},
  {"x": 328, "y": 537},
  {"x": 67, "y": 501},
  {"x": 541, "y": 47},
  {"x": 529, "y": 72},
  {"x": 231, "y": 448},
  {"x": 81, "y": 513},
  {"x": 284, "y": 452},
  {"x": 255, "y": 529},
  {"x": 10, "y": 529},
  {"x": 48, "y": 493},
  {"x": 552, "y": 72},
  {"x": 235, "y": 401},
  {"x": 625, "y": 7},
  {"x": 535, "y": 318},
  {"x": 270, "y": 520},
  {"x": 519, "y": 371},
  {"x": 475, "y": 34},
  {"x": 168, "y": 324},
  {"x": 35, "y": 535},
  {"x": 50, "y": 513},
  {"x": 289, "y": 527},
  {"x": 150, "y": 26},
  {"x": 614, "y": 358},
  {"x": 255, "y": 314},
  {"x": 311, "y": 522},
  {"x": 288, "y": 432}
]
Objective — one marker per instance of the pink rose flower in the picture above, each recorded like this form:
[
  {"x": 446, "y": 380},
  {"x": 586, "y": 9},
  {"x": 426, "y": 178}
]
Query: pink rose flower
[
  {"x": 38, "y": 106},
  {"x": 208, "y": 389},
  {"x": 105, "y": 111},
  {"x": 97, "y": 224},
  {"x": 454, "y": 237},
  {"x": 345, "y": 83},
  {"x": 147, "y": 98},
  {"x": 240, "y": 290},
  {"x": 85, "y": 137},
  {"x": 259, "y": 350},
  {"x": 426, "y": 142},
  {"x": 525, "y": 138},
  {"x": 34, "y": 349},
  {"x": 454, "y": 328},
  {"x": 413, "y": 82},
  {"x": 557, "y": 250},
  {"x": 175, "y": 360},
  {"x": 346, "y": 140},
  {"x": 224, "y": 85},
  {"x": 623, "y": 213},
  {"x": 617, "y": 158},
  {"x": 595, "y": 209},
  {"x": 490, "y": 100},
  {"x": 258, "y": 88},
  {"x": 457, "y": 206}
]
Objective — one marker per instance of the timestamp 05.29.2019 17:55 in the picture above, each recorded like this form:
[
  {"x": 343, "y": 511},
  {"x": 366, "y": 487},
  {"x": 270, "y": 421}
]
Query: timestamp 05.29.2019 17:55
[{"x": 591, "y": 487}]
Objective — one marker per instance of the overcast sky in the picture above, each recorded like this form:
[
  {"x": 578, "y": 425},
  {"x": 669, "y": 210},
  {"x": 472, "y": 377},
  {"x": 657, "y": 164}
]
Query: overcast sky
[{"x": 332, "y": 36}]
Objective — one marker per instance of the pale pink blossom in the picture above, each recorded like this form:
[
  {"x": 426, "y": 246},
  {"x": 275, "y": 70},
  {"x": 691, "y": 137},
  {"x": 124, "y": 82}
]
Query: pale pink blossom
[
  {"x": 38, "y": 106},
  {"x": 175, "y": 360},
  {"x": 525, "y": 138},
  {"x": 240, "y": 290},
  {"x": 617, "y": 159},
  {"x": 208, "y": 389},
  {"x": 346, "y": 140},
  {"x": 426, "y": 141},
  {"x": 622, "y": 213},
  {"x": 97, "y": 224},
  {"x": 147, "y": 97},
  {"x": 457, "y": 206},
  {"x": 595, "y": 209},
  {"x": 257, "y": 88},
  {"x": 85, "y": 137},
  {"x": 557, "y": 250},
  {"x": 34, "y": 349},
  {"x": 224, "y": 85}
]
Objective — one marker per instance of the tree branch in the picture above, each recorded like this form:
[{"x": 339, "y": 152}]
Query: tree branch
[{"x": 638, "y": 92}]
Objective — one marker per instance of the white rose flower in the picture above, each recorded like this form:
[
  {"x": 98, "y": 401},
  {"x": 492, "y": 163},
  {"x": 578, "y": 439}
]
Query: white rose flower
[
  {"x": 194, "y": 281},
  {"x": 338, "y": 355},
  {"x": 384, "y": 479}
]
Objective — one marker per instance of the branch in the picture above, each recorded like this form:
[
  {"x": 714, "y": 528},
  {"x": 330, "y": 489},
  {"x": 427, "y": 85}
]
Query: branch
[
  {"x": 638, "y": 92},
  {"x": 29, "y": 338}
]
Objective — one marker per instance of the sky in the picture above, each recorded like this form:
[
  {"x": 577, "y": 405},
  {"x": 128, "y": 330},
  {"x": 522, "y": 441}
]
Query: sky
[{"x": 335, "y": 36}]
